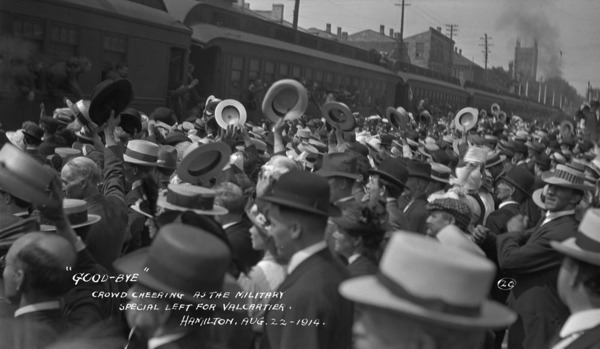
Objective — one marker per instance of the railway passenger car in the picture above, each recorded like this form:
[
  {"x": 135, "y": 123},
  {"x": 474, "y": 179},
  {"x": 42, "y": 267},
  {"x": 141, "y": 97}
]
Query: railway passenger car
[
  {"x": 63, "y": 48},
  {"x": 232, "y": 48}
]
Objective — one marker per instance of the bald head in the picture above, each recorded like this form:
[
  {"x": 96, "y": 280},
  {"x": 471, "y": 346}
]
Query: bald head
[{"x": 36, "y": 267}]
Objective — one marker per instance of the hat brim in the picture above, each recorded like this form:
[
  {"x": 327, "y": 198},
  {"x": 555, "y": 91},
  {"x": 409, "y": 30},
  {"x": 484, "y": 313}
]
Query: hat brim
[
  {"x": 549, "y": 178},
  {"x": 131, "y": 160},
  {"x": 122, "y": 93},
  {"x": 346, "y": 124},
  {"x": 331, "y": 211},
  {"x": 216, "y": 154},
  {"x": 136, "y": 207},
  {"x": 388, "y": 177},
  {"x": 441, "y": 180},
  {"x": 397, "y": 118},
  {"x": 176, "y": 139},
  {"x": 458, "y": 119},
  {"x": 367, "y": 290},
  {"x": 295, "y": 111},
  {"x": 230, "y": 103},
  {"x": 330, "y": 173},
  {"x": 91, "y": 219},
  {"x": 569, "y": 247},
  {"x": 537, "y": 198},
  {"x": 516, "y": 185},
  {"x": 215, "y": 211}
]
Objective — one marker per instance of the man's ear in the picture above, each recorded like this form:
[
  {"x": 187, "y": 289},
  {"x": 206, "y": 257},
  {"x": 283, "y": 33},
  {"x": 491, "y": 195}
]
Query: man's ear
[
  {"x": 19, "y": 276},
  {"x": 295, "y": 230}
]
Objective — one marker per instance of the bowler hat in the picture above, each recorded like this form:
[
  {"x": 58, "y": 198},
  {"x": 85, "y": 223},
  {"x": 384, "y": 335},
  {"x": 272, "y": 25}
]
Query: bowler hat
[
  {"x": 440, "y": 284},
  {"x": 182, "y": 259},
  {"x": 303, "y": 191},
  {"x": 585, "y": 246},
  {"x": 339, "y": 116},
  {"x": 141, "y": 152},
  {"x": 286, "y": 99},
  {"x": 163, "y": 114},
  {"x": 49, "y": 124},
  {"x": 23, "y": 176},
  {"x": 203, "y": 161},
  {"x": 340, "y": 165},
  {"x": 521, "y": 178},
  {"x": 34, "y": 131},
  {"x": 107, "y": 96},
  {"x": 131, "y": 121},
  {"x": 393, "y": 171},
  {"x": 230, "y": 112},
  {"x": 167, "y": 157},
  {"x": 520, "y": 147},
  {"x": 174, "y": 137},
  {"x": 419, "y": 169}
]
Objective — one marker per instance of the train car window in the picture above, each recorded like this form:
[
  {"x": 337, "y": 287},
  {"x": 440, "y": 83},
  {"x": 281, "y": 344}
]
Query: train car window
[
  {"x": 28, "y": 28},
  {"x": 319, "y": 76},
  {"x": 114, "y": 43},
  {"x": 346, "y": 81},
  {"x": 284, "y": 70},
  {"x": 63, "y": 41},
  {"x": 308, "y": 73},
  {"x": 114, "y": 52},
  {"x": 253, "y": 68},
  {"x": 237, "y": 67},
  {"x": 419, "y": 50},
  {"x": 176, "y": 67},
  {"x": 329, "y": 78},
  {"x": 284, "y": 34},
  {"x": 308, "y": 41},
  {"x": 269, "y": 73},
  {"x": 296, "y": 72}
]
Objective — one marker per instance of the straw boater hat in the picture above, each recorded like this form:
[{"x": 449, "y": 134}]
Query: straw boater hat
[
  {"x": 23, "y": 176},
  {"x": 585, "y": 246},
  {"x": 466, "y": 119},
  {"x": 286, "y": 99},
  {"x": 181, "y": 197},
  {"x": 182, "y": 259},
  {"x": 398, "y": 117},
  {"x": 230, "y": 112},
  {"x": 203, "y": 161},
  {"x": 141, "y": 152},
  {"x": 339, "y": 116},
  {"x": 421, "y": 278},
  {"x": 564, "y": 176},
  {"x": 440, "y": 173},
  {"x": 77, "y": 213},
  {"x": 109, "y": 95}
]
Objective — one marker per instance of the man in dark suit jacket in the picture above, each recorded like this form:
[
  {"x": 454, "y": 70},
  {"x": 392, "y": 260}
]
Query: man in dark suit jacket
[
  {"x": 578, "y": 285},
  {"x": 527, "y": 256},
  {"x": 416, "y": 210},
  {"x": 298, "y": 213}
]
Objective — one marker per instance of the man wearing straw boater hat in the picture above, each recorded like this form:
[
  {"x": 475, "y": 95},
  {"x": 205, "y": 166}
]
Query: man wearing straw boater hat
[
  {"x": 578, "y": 285},
  {"x": 527, "y": 256},
  {"x": 298, "y": 213},
  {"x": 80, "y": 177},
  {"x": 426, "y": 295}
]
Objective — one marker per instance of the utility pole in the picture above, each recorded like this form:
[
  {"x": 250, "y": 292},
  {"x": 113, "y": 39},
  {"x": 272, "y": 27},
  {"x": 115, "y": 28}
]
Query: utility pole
[
  {"x": 451, "y": 28},
  {"x": 486, "y": 51},
  {"x": 296, "y": 10},
  {"x": 403, "y": 4}
]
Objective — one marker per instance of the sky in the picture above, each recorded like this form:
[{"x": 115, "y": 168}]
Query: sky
[{"x": 568, "y": 31}]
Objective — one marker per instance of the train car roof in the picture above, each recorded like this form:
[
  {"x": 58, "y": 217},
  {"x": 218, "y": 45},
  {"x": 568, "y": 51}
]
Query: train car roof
[
  {"x": 130, "y": 9},
  {"x": 406, "y": 77},
  {"x": 499, "y": 97},
  {"x": 204, "y": 33}
]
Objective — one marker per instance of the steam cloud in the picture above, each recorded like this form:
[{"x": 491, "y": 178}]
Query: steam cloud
[{"x": 528, "y": 24}]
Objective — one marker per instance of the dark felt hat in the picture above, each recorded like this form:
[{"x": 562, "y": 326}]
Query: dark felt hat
[
  {"x": 419, "y": 169},
  {"x": 303, "y": 191},
  {"x": 131, "y": 121},
  {"x": 174, "y": 137},
  {"x": 340, "y": 165},
  {"x": 181, "y": 259},
  {"x": 163, "y": 114},
  {"x": 392, "y": 170},
  {"x": 521, "y": 178},
  {"x": 34, "y": 131},
  {"x": 110, "y": 95},
  {"x": 50, "y": 124}
]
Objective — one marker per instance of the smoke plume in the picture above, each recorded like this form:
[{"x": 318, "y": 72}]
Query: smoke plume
[{"x": 529, "y": 23}]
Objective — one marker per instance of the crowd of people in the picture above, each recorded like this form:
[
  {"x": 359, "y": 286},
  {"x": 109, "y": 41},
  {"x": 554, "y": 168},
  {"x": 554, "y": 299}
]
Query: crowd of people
[{"x": 136, "y": 231}]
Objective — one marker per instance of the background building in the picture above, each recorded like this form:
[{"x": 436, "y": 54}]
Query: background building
[
  {"x": 525, "y": 63},
  {"x": 465, "y": 69},
  {"x": 431, "y": 50}
]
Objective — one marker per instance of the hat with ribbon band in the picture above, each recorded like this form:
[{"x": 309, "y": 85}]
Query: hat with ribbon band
[{"x": 181, "y": 197}]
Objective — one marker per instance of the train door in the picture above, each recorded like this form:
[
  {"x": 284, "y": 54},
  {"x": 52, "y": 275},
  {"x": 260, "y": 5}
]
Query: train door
[
  {"x": 402, "y": 95},
  {"x": 208, "y": 69}
]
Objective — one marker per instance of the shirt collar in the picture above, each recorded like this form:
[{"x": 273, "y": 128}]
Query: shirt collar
[
  {"x": 580, "y": 321},
  {"x": 230, "y": 224},
  {"x": 353, "y": 258},
  {"x": 342, "y": 200},
  {"x": 37, "y": 307},
  {"x": 507, "y": 203},
  {"x": 553, "y": 215},
  {"x": 159, "y": 341},
  {"x": 303, "y": 255}
]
